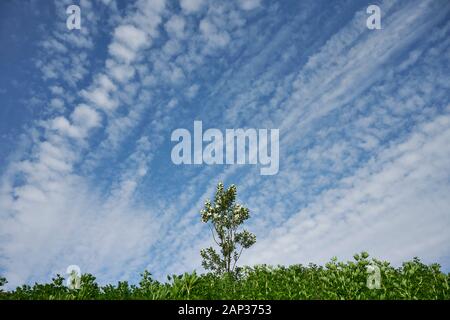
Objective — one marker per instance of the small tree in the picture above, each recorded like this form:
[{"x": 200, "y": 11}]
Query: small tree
[{"x": 225, "y": 216}]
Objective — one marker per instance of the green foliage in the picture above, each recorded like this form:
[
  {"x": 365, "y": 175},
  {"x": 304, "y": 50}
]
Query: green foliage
[
  {"x": 225, "y": 217},
  {"x": 2, "y": 283},
  {"x": 336, "y": 280}
]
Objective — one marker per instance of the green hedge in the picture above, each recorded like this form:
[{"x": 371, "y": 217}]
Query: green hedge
[{"x": 335, "y": 280}]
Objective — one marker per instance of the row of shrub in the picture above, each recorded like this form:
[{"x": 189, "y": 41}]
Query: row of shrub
[{"x": 335, "y": 280}]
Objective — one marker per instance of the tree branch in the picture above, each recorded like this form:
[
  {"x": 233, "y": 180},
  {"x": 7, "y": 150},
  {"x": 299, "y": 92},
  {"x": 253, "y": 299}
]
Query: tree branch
[
  {"x": 235, "y": 260},
  {"x": 212, "y": 232}
]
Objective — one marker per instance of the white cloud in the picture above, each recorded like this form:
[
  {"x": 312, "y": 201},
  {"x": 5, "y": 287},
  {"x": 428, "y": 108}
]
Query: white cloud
[
  {"x": 121, "y": 52},
  {"x": 175, "y": 26},
  {"x": 86, "y": 117},
  {"x": 249, "y": 4},
  {"x": 63, "y": 126},
  {"x": 192, "y": 91},
  {"x": 57, "y": 90},
  {"x": 214, "y": 37},
  {"x": 100, "y": 98},
  {"x": 88, "y": 234},
  {"x": 57, "y": 104},
  {"x": 120, "y": 72},
  {"x": 171, "y": 48},
  {"x": 396, "y": 208},
  {"x": 131, "y": 36},
  {"x": 172, "y": 103},
  {"x": 191, "y": 6},
  {"x": 100, "y": 93},
  {"x": 30, "y": 193}
]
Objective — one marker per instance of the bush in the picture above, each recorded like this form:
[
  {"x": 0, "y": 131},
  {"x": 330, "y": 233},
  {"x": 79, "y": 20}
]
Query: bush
[{"x": 335, "y": 280}]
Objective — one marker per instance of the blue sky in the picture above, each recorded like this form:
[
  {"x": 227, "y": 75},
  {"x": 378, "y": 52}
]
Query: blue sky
[{"x": 86, "y": 117}]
